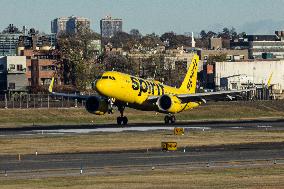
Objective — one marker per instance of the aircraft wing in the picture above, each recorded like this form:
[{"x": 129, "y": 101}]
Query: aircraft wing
[
  {"x": 212, "y": 96},
  {"x": 209, "y": 96},
  {"x": 72, "y": 96},
  {"x": 66, "y": 95}
]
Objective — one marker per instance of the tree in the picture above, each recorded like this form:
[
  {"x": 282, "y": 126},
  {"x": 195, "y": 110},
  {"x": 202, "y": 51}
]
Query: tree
[
  {"x": 203, "y": 42},
  {"x": 203, "y": 34},
  {"x": 233, "y": 33},
  {"x": 216, "y": 58},
  {"x": 211, "y": 34},
  {"x": 77, "y": 57},
  {"x": 150, "y": 41},
  {"x": 175, "y": 40},
  {"x": 11, "y": 29},
  {"x": 117, "y": 62},
  {"x": 135, "y": 34},
  {"x": 242, "y": 35}
]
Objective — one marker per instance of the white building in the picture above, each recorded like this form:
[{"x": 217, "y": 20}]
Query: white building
[
  {"x": 13, "y": 73},
  {"x": 240, "y": 74}
]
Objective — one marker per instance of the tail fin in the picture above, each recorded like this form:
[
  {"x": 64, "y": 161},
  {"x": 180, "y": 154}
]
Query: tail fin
[
  {"x": 189, "y": 83},
  {"x": 50, "y": 88}
]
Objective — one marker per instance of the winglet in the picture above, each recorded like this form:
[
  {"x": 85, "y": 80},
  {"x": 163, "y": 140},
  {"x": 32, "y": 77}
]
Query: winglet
[
  {"x": 269, "y": 80},
  {"x": 51, "y": 85}
]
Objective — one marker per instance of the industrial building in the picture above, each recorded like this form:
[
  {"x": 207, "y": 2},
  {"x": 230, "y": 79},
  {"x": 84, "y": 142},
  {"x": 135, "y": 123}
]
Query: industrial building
[
  {"x": 109, "y": 26},
  {"x": 240, "y": 75},
  {"x": 262, "y": 46}
]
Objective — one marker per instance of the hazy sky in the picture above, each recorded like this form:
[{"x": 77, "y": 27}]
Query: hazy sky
[{"x": 159, "y": 16}]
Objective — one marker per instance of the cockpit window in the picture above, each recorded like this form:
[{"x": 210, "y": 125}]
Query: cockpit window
[{"x": 106, "y": 77}]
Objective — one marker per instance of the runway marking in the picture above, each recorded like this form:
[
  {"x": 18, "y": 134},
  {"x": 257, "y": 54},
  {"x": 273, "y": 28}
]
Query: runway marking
[
  {"x": 84, "y": 131},
  {"x": 169, "y": 156},
  {"x": 236, "y": 127},
  {"x": 264, "y": 126}
]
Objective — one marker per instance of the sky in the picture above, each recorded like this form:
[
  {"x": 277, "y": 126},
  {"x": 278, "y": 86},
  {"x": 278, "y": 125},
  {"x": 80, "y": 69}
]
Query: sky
[{"x": 148, "y": 16}]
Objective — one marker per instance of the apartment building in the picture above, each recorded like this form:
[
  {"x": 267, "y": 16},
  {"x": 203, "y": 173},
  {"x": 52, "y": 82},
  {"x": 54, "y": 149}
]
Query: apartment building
[
  {"x": 13, "y": 74},
  {"x": 109, "y": 26}
]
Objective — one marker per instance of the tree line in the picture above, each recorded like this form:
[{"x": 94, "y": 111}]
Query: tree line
[{"x": 79, "y": 65}]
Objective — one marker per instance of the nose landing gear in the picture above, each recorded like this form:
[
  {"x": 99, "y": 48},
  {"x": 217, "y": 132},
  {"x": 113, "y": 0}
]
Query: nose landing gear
[
  {"x": 170, "y": 119},
  {"x": 122, "y": 120}
]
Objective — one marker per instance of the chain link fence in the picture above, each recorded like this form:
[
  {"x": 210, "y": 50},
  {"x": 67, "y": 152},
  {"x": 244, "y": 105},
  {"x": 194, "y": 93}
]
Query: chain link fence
[{"x": 25, "y": 101}]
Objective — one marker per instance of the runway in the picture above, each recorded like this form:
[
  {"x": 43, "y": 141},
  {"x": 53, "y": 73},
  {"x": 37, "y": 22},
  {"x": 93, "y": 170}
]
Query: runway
[
  {"x": 104, "y": 163},
  {"x": 127, "y": 162},
  {"x": 188, "y": 125}
]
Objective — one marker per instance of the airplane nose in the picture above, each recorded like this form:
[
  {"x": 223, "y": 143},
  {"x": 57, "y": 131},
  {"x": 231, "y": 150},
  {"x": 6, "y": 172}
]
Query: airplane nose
[{"x": 98, "y": 85}]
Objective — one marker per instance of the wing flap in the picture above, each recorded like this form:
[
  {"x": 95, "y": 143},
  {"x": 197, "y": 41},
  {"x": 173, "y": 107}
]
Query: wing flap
[
  {"x": 212, "y": 96},
  {"x": 204, "y": 97}
]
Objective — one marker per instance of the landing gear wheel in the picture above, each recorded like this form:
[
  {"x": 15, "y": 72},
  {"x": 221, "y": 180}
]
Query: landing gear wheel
[
  {"x": 119, "y": 120},
  {"x": 167, "y": 119},
  {"x": 122, "y": 120},
  {"x": 170, "y": 119},
  {"x": 173, "y": 119}
]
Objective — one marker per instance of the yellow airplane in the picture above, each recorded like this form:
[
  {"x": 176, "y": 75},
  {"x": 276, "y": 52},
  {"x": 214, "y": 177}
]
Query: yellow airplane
[{"x": 123, "y": 90}]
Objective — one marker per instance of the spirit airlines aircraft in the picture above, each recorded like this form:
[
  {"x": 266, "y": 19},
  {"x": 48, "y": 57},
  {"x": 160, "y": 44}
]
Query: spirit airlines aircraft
[{"x": 123, "y": 90}]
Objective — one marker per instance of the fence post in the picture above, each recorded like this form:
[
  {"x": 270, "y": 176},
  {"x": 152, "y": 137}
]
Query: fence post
[
  {"x": 48, "y": 101},
  {"x": 62, "y": 102},
  {"x": 6, "y": 103},
  {"x": 76, "y": 101},
  {"x": 28, "y": 99},
  {"x": 34, "y": 99},
  {"x": 20, "y": 100},
  {"x": 68, "y": 101},
  {"x": 40, "y": 101},
  {"x": 13, "y": 102}
]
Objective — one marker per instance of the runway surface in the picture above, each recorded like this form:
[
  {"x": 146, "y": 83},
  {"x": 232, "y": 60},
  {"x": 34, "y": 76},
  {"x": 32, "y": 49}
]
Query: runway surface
[
  {"x": 195, "y": 125},
  {"x": 104, "y": 163},
  {"x": 127, "y": 162}
]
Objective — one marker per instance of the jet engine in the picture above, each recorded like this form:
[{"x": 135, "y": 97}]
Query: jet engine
[
  {"x": 169, "y": 104},
  {"x": 96, "y": 105}
]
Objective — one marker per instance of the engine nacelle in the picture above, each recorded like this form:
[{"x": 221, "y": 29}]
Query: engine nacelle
[
  {"x": 170, "y": 104},
  {"x": 96, "y": 105}
]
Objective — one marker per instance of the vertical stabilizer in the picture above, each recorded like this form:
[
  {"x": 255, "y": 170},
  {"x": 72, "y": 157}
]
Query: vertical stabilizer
[{"x": 189, "y": 83}]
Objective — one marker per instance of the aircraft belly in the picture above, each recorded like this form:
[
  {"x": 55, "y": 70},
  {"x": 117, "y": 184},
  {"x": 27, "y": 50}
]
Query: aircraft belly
[{"x": 144, "y": 106}]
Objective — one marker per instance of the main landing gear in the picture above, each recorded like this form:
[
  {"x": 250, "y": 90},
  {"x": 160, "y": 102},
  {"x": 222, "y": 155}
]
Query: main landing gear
[
  {"x": 122, "y": 120},
  {"x": 170, "y": 119}
]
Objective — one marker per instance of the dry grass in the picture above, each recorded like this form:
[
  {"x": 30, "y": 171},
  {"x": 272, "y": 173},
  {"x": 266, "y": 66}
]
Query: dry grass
[
  {"x": 129, "y": 140},
  {"x": 224, "y": 110},
  {"x": 260, "y": 177}
]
